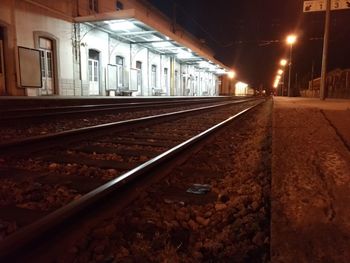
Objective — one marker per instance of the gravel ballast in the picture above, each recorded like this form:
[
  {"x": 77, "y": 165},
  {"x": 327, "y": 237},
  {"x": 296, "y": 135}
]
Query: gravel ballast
[{"x": 229, "y": 223}]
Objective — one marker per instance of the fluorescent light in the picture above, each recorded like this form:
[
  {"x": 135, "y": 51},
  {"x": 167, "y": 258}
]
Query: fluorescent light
[
  {"x": 184, "y": 54},
  {"x": 161, "y": 44},
  {"x": 123, "y": 25}
]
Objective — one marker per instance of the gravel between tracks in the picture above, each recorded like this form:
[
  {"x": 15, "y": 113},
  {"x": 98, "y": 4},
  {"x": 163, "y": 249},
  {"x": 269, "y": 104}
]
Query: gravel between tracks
[{"x": 229, "y": 224}]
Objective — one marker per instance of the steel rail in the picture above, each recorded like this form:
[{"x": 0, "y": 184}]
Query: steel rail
[
  {"x": 28, "y": 235},
  {"x": 48, "y": 140},
  {"x": 26, "y": 113}
]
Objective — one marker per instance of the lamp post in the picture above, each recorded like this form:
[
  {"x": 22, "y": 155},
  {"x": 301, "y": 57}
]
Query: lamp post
[
  {"x": 325, "y": 51},
  {"x": 291, "y": 39}
]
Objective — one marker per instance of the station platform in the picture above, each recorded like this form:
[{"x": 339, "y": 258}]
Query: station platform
[{"x": 310, "y": 196}]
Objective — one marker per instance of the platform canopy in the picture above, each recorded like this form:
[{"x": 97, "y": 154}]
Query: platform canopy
[{"x": 127, "y": 26}]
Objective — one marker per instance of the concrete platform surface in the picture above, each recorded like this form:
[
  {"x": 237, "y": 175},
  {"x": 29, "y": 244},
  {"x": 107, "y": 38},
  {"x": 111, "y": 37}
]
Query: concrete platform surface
[{"x": 310, "y": 181}]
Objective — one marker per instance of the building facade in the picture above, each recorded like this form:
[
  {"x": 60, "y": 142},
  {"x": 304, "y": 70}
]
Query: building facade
[{"x": 100, "y": 48}]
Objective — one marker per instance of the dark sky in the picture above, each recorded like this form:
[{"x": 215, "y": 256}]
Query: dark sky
[{"x": 249, "y": 35}]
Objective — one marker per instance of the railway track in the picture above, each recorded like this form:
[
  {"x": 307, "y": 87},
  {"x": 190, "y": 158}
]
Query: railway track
[
  {"x": 55, "y": 177},
  {"x": 46, "y": 121},
  {"x": 12, "y": 115}
]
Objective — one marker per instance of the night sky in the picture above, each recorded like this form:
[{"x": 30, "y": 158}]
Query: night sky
[{"x": 249, "y": 35}]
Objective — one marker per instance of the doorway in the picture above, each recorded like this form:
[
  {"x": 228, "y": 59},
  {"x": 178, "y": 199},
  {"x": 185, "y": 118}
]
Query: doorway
[
  {"x": 94, "y": 72},
  {"x": 47, "y": 66}
]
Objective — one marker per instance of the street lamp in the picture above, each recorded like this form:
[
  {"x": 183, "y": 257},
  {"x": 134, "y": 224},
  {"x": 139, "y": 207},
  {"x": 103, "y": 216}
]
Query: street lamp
[
  {"x": 231, "y": 74},
  {"x": 283, "y": 62},
  {"x": 291, "y": 39}
]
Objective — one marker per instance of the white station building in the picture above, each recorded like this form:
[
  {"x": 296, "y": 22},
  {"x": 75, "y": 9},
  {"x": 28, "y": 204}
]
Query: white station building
[{"x": 100, "y": 48}]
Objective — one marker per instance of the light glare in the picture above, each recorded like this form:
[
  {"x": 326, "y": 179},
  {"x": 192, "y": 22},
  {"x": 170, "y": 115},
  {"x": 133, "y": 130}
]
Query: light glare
[
  {"x": 291, "y": 39},
  {"x": 231, "y": 74}
]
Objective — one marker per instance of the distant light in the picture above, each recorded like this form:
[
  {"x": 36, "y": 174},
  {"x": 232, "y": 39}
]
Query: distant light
[
  {"x": 291, "y": 39},
  {"x": 241, "y": 85},
  {"x": 277, "y": 81},
  {"x": 123, "y": 25},
  {"x": 231, "y": 74},
  {"x": 283, "y": 62},
  {"x": 280, "y": 72}
]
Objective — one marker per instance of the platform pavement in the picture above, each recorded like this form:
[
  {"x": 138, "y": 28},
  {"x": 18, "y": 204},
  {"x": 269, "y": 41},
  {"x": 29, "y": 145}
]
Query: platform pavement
[{"x": 310, "y": 181}]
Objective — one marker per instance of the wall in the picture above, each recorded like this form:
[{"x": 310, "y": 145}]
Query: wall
[{"x": 337, "y": 85}]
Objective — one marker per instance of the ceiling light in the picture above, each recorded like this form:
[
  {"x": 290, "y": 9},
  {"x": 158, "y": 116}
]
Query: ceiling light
[
  {"x": 184, "y": 54},
  {"x": 124, "y": 25}
]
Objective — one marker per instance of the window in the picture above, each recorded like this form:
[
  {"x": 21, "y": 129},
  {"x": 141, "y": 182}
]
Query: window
[
  {"x": 93, "y": 54},
  {"x": 119, "y": 60},
  {"x": 139, "y": 65},
  {"x": 119, "y": 5},
  {"x": 43, "y": 63},
  {"x": 120, "y": 71},
  {"x": 45, "y": 46},
  {"x": 93, "y": 5},
  {"x": 154, "y": 76},
  {"x": 45, "y": 43},
  {"x": 90, "y": 70},
  {"x": 96, "y": 70},
  {"x": 49, "y": 64}
]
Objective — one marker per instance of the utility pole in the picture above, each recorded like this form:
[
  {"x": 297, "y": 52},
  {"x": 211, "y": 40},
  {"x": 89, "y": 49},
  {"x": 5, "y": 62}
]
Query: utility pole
[{"x": 325, "y": 51}]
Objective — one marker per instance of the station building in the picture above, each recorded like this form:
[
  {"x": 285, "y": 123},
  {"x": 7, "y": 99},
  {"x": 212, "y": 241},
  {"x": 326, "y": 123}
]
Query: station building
[{"x": 101, "y": 48}]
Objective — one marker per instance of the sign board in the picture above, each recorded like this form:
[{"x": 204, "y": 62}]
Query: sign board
[
  {"x": 29, "y": 67},
  {"x": 320, "y": 5}
]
